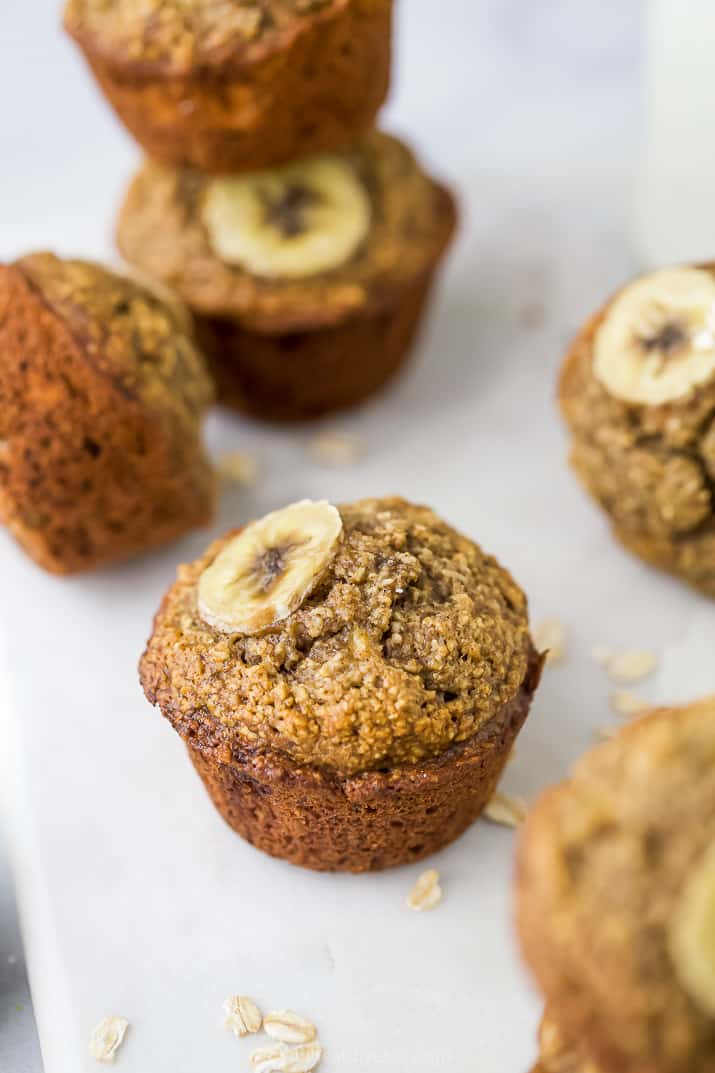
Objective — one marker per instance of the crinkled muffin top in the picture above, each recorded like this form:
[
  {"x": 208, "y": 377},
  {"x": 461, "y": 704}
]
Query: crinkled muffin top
[
  {"x": 411, "y": 641},
  {"x": 603, "y": 860},
  {"x": 651, "y": 466},
  {"x": 177, "y": 35},
  {"x": 161, "y": 230},
  {"x": 131, "y": 331}
]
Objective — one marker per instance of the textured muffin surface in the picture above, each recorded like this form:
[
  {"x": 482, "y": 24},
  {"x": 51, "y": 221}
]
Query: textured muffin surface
[
  {"x": 651, "y": 467},
  {"x": 101, "y": 402},
  {"x": 603, "y": 860},
  {"x": 161, "y": 230},
  {"x": 412, "y": 641},
  {"x": 178, "y": 34}
]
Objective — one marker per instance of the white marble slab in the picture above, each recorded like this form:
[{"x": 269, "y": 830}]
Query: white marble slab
[{"x": 135, "y": 899}]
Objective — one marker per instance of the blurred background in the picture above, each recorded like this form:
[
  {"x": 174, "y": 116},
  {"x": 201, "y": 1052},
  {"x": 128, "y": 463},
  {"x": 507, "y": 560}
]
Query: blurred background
[{"x": 573, "y": 147}]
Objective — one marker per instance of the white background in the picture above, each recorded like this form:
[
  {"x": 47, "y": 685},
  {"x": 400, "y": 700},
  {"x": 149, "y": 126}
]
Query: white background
[{"x": 533, "y": 112}]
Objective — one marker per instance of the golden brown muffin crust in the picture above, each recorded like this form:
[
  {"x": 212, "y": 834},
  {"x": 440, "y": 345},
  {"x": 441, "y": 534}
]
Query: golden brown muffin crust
[
  {"x": 602, "y": 860},
  {"x": 174, "y": 36},
  {"x": 652, "y": 468},
  {"x": 412, "y": 641},
  {"x": 129, "y": 333},
  {"x": 161, "y": 230},
  {"x": 101, "y": 399}
]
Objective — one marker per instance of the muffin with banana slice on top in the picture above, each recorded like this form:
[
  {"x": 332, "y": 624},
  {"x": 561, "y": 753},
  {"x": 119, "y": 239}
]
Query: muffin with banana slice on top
[
  {"x": 102, "y": 397},
  {"x": 236, "y": 85},
  {"x": 308, "y": 282},
  {"x": 349, "y": 681},
  {"x": 638, "y": 393},
  {"x": 616, "y": 901}
]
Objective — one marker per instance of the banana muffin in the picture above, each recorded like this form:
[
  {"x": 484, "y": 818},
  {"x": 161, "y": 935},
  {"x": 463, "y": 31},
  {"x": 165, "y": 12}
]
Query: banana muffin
[
  {"x": 235, "y": 85},
  {"x": 638, "y": 393},
  {"x": 308, "y": 282},
  {"x": 102, "y": 394},
  {"x": 616, "y": 901},
  {"x": 349, "y": 681}
]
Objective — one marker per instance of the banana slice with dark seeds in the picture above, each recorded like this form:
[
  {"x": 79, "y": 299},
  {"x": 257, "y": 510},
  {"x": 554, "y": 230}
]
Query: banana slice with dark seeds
[
  {"x": 657, "y": 341},
  {"x": 266, "y": 572},
  {"x": 291, "y": 222}
]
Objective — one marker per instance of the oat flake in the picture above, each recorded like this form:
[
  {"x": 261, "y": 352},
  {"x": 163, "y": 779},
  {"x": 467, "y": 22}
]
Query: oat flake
[
  {"x": 283, "y": 1059},
  {"x": 288, "y": 1027},
  {"x": 243, "y": 1017},
  {"x": 626, "y": 703},
  {"x": 426, "y": 893},
  {"x": 107, "y": 1037},
  {"x": 505, "y": 810}
]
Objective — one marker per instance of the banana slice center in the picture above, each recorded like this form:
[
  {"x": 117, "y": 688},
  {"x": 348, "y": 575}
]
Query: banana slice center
[
  {"x": 656, "y": 343},
  {"x": 692, "y": 934},
  {"x": 291, "y": 222},
  {"x": 266, "y": 572}
]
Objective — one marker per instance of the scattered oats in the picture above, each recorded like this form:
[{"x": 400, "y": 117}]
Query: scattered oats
[
  {"x": 106, "y": 1038},
  {"x": 626, "y": 703},
  {"x": 237, "y": 467},
  {"x": 505, "y": 810},
  {"x": 243, "y": 1017},
  {"x": 550, "y": 637},
  {"x": 283, "y": 1059},
  {"x": 631, "y": 666},
  {"x": 288, "y": 1027},
  {"x": 426, "y": 893},
  {"x": 334, "y": 449}
]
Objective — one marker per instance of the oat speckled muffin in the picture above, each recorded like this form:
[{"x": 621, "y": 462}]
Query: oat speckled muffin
[
  {"x": 309, "y": 282},
  {"x": 235, "y": 85},
  {"x": 102, "y": 394},
  {"x": 349, "y": 681},
  {"x": 638, "y": 393},
  {"x": 616, "y": 901}
]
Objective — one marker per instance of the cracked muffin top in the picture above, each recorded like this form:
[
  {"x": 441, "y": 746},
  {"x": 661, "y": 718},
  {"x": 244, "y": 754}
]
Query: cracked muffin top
[
  {"x": 386, "y": 637},
  {"x": 133, "y": 331},
  {"x": 616, "y": 896},
  {"x": 298, "y": 247},
  {"x": 175, "y": 36},
  {"x": 639, "y": 386}
]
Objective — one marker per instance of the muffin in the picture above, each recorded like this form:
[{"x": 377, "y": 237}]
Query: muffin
[
  {"x": 349, "y": 681},
  {"x": 102, "y": 393},
  {"x": 235, "y": 85},
  {"x": 616, "y": 901},
  {"x": 638, "y": 393},
  {"x": 308, "y": 282}
]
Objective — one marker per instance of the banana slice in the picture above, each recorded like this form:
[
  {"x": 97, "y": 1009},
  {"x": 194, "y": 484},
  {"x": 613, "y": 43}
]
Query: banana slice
[
  {"x": 263, "y": 575},
  {"x": 291, "y": 222},
  {"x": 692, "y": 934},
  {"x": 657, "y": 341}
]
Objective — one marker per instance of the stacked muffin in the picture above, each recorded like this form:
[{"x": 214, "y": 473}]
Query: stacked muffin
[{"x": 303, "y": 240}]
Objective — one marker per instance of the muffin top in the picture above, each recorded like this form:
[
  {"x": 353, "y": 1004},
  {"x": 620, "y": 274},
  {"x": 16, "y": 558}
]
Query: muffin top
[
  {"x": 135, "y": 332},
  {"x": 407, "y": 640},
  {"x": 175, "y": 36},
  {"x": 299, "y": 247},
  {"x": 640, "y": 381},
  {"x": 616, "y": 896}
]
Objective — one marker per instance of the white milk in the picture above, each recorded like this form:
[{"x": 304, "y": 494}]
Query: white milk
[{"x": 675, "y": 203}]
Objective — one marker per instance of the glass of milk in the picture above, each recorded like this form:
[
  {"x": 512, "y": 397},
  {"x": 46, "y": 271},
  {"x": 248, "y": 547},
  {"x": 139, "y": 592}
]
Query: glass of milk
[{"x": 675, "y": 204}]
